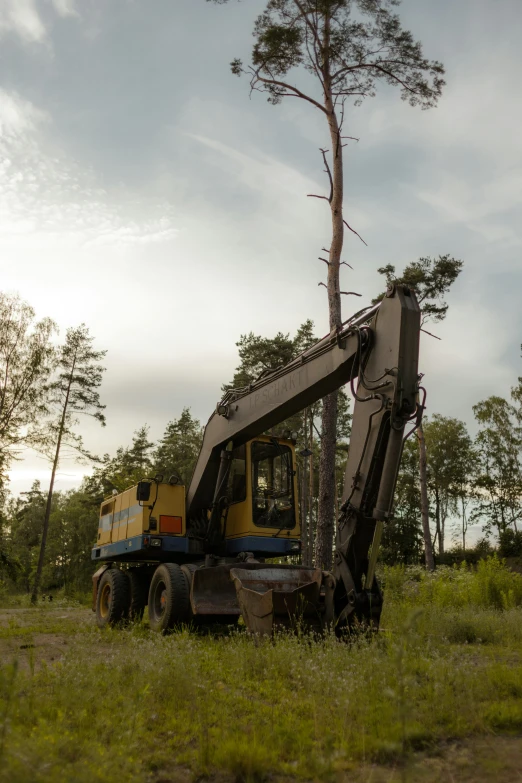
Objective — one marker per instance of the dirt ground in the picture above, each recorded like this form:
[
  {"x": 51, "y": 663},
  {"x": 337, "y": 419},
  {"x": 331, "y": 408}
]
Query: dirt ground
[
  {"x": 34, "y": 635},
  {"x": 478, "y": 760}
]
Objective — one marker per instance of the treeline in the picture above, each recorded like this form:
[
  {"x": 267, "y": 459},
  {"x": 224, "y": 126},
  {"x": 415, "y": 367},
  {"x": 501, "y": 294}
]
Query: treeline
[
  {"x": 73, "y": 521},
  {"x": 470, "y": 482},
  {"x": 46, "y": 387}
]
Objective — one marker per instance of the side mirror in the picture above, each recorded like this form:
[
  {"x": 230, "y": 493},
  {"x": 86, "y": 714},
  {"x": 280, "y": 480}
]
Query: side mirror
[{"x": 143, "y": 491}]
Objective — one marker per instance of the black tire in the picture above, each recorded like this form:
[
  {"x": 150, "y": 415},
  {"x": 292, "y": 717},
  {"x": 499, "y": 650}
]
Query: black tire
[
  {"x": 188, "y": 570},
  {"x": 113, "y": 599},
  {"x": 139, "y": 582},
  {"x": 169, "y": 602}
]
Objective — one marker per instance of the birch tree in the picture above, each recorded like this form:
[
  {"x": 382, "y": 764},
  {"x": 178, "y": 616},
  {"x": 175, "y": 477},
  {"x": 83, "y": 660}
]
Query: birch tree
[
  {"x": 74, "y": 392},
  {"x": 499, "y": 464},
  {"x": 332, "y": 54},
  {"x": 450, "y": 466},
  {"x": 26, "y": 359}
]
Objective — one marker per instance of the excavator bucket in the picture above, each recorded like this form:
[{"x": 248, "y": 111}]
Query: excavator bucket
[
  {"x": 213, "y": 593},
  {"x": 278, "y": 595}
]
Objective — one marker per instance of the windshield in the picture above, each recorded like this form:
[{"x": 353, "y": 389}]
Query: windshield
[{"x": 272, "y": 485}]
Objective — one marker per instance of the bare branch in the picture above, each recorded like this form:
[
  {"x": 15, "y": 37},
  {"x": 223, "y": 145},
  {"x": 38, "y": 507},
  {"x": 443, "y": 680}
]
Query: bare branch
[
  {"x": 313, "y": 195},
  {"x": 327, "y": 169},
  {"x": 392, "y": 76},
  {"x": 293, "y": 90},
  {"x": 350, "y": 293},
  {"x": 340, "y": 126},
  {"x": 342, "y": 118},
  {"x": 318, "y": 284},
  {"x": 431, "y": 335},
  {"x": 346, "y": 264},
  {"x": 325, "y": 261},
  {"x": 311, "y": 27},
  {"x": 354, "y": 232},
  {"x": 314, "y": 58}
]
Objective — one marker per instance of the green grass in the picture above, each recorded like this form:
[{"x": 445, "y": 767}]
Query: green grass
[{"x": 135, "y": 706}]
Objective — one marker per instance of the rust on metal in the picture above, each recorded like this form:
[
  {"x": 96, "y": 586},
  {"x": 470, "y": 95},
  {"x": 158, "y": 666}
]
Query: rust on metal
[
  {"x": 213, "y": 593},
  {"x": 277, "y": 596}
]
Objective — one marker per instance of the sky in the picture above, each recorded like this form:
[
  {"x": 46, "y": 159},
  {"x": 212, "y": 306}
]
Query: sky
[{"x": 145, "y": 193}]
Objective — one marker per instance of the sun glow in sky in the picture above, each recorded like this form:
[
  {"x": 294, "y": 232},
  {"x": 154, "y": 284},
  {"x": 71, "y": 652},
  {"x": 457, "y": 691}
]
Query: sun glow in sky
[{"x": 144, "y": 193}]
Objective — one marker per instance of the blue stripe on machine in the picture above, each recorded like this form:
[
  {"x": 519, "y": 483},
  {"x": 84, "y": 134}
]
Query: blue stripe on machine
[
  {"x": 263, "y": 545},
  {"x": 135, "y": 544}
]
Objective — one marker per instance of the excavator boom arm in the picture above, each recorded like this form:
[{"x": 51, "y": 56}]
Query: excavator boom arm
[
  {"x": 246, "y": 413},
  {"x": 383, "y": 353},
  {"x": 380, "y": 347}
]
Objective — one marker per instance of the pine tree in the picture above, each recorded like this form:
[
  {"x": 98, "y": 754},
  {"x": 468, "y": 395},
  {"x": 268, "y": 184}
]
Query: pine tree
[
  {"x": 178, "y": 450},
  {"x": 126, "y": 468},
  {"x": 74, "y": 392},
  {"x": 325, "y": 53}
]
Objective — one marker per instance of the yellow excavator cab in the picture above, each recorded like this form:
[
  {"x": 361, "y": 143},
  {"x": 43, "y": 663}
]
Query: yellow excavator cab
[{"x": 262, "y": 490}]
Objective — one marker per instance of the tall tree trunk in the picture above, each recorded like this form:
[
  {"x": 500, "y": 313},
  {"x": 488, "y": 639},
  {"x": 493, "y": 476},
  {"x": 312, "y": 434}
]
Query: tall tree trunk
[
  {"x": 443, "y": 517},
  {"x": 310, "y": 540},
  {"x": 304, "y": 498},
  {"x": 425, "y": 512},
  {"x": 39, "y": 568},
  {"x": 325, "y": 522},
  {"x": 464, "y": 525},
  {"x": 438, "y": 523}
]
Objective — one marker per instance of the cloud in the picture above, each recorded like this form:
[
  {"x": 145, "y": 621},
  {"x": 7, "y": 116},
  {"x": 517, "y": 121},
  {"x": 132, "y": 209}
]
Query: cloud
[
  {"x": 65, "y": 7},
  {"x": 21, "y": 17},
  {"x": 18, "y": 117},
  {"x": 46, "y": 196},
  {"x": 261, "y": 172},
  {"x": 485, "y": 209}
]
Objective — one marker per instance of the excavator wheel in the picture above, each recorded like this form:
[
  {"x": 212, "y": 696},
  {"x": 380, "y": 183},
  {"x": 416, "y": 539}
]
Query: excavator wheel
[
  {"x": 139, "y": 581},
  {"x": 113, "y": 599},
  {"x": 169, "y": 602},
  {"x": 188, "y": 570}
]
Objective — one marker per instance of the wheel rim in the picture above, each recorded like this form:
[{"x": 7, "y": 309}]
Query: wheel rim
[
  {"x": 105, "y": 600},
  {"x": 160, "y": 599}
]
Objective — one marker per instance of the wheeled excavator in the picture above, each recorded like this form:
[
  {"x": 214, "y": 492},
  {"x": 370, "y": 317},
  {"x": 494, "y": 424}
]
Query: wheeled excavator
[{"x": 201, "y": 556}]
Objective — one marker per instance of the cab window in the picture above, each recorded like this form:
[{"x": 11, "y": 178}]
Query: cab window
[{"x": 272, "y": 485}]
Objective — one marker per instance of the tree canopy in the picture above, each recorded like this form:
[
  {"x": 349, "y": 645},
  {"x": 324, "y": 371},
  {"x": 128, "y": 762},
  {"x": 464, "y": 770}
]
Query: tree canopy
[
  {"x": 347, "y": 45},
  {"x": 431, "y": 279}
]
